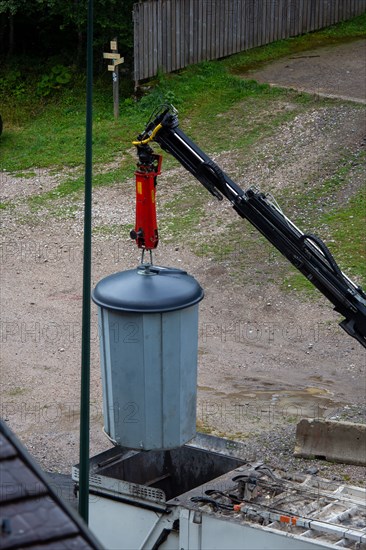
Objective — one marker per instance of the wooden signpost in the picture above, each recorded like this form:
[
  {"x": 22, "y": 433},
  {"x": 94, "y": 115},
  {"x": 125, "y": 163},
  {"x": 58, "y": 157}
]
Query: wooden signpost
[{"x": 115, "y": 60}]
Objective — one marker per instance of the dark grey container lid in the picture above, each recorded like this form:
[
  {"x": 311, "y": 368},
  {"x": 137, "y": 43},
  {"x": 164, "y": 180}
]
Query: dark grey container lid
[{"x": 148, "y": 290}]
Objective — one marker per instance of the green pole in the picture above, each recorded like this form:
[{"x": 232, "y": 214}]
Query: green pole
[{"x": 85, "y": 335}]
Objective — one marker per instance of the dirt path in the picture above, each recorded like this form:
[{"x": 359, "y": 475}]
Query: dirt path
[
  {"x": 337, "y": 71},
  {"x": 267, "y": 357}
]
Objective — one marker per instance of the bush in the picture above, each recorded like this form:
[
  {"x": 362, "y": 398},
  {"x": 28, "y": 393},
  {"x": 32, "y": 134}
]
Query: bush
[
  {"x": 58, "y": 77},
  {"x": 12, "y": 83}
]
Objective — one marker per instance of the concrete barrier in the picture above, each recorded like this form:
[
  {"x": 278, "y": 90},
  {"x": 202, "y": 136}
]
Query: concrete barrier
[{"x": 331, "y": 440}]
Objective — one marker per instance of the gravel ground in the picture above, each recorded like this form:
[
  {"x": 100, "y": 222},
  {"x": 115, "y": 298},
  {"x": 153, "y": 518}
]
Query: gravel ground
[
  {"x": 267, "y": 356},
  {"x": 275, "y": 447}
]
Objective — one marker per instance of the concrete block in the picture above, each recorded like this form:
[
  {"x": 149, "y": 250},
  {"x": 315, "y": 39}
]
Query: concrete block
[{"x": 331, "y": 440}]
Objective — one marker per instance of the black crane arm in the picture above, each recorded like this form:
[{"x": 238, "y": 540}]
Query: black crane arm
[{"x": 306, "y": 252}]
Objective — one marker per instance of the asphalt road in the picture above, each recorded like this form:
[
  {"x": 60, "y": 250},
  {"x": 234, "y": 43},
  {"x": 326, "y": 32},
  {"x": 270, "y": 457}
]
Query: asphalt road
[{"x": 333, "y": 71}]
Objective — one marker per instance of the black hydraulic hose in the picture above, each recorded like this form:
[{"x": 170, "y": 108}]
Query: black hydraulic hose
[{"x": 325, "y": 250}]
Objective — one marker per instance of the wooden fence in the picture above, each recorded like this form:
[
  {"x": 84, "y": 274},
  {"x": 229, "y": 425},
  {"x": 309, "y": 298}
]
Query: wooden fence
[{"x": 171, "y": 34}]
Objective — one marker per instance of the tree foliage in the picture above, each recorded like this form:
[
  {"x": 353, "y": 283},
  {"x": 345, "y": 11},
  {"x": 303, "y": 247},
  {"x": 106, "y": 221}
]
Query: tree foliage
[{"x": 58, "y": 27}]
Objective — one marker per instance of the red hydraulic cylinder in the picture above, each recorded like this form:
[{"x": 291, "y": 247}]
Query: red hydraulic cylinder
[{"x": 146, "y": 228}]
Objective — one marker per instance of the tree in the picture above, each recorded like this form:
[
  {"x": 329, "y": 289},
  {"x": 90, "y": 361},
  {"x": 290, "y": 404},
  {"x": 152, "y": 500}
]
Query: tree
[
  {"x": 9, "y": 9},
  {"x": 49, "y": 27}
]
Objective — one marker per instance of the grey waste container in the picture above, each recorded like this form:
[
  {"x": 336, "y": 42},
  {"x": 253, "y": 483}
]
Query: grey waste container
[{"x": 148, "y": 330}]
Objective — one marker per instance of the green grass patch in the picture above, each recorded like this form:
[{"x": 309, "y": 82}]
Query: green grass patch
[
  {"x": 64, "y": 212},
  {"x": 347, "y": 228},
  {"x": 57, "y": 140},
  {"x": 76, "y": 185},
  {"x": 346, "y": 240},
  {"x": 16, "y": 391},
  {"x": 340, "y": 223},
  {"x": 5, "y": 205},
  {"x": 296, "y": 282},
  {"x": 26, "y": 175},
  {"x": 323, "y": 193},
  {"x": 50, "y": 132},
  {"x": 113, "y": 229},
  {"x": 182, "y": 215}
]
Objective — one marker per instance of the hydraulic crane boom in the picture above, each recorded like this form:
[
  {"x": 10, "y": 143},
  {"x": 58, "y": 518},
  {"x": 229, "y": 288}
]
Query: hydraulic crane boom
[{"x": 306, "y": 252}]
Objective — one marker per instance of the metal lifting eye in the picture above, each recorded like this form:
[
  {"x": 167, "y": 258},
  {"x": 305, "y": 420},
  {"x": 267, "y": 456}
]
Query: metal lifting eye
[{"x": 143, "y": 255}]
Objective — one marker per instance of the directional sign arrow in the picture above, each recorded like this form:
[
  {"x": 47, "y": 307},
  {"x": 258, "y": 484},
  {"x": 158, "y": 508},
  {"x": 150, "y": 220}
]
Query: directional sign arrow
[
  {"x": 119, "y": 61},
  {"x": 111, "y": 55}
]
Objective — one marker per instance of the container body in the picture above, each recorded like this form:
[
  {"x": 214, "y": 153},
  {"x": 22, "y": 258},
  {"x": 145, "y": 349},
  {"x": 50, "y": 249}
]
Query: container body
[{"x": 149, "y": 376}]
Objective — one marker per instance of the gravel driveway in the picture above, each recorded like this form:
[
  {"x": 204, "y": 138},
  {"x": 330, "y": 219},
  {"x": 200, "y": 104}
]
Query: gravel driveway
[{"x": 266, "y": 356}]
